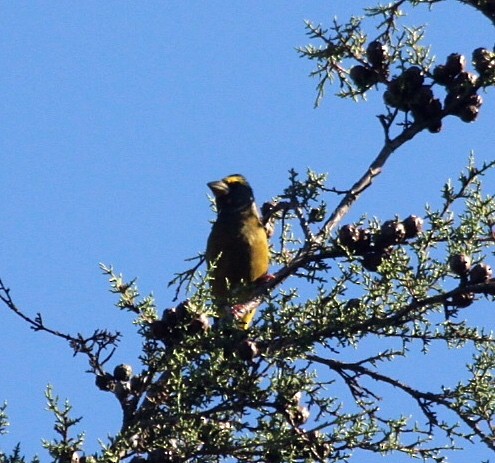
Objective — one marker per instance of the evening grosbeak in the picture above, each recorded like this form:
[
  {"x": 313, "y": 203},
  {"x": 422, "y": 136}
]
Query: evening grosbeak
[{"x": 237, "y": 249}]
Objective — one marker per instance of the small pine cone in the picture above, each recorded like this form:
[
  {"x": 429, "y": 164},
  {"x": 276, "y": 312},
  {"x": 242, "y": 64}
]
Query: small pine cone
[
  {"x": 397, "y": 95},
  {"x": 474, "y": 100},
  {"x": 353, "y": 304},
  {"x": 200, "y": 324},
  {"x": 170, "y": 318},
  {"x": 364, "y": 77},
  {"x": 175, "y": 316},
  {"x": 299, "y": 415},
  {"x": 464, "y": 83},
  {"x": 105, "y": 382},
  {"x": 137, "y": 383},
  {"x": 391, "y": 232},
  {"x": 468, "y": 113},
  {"x": 372, "y": 260},
  {"x": 442, "y": 76},
  {"x": 480, "y": 273},
  {"x": 158, "y": 329},
  {"x": 122, "y": 372},
  {"x": 268, "y": 208},
  {"x": 434, "y": 109},
  {"x": 464, "y": 107},
  {"x": 435, "y": 127},
  {"x": 316, "y": 214},
  {"x": 413, "y": 78},
  {"x": 484, "y": 62},
  {"x": 455, "y": 64},
  {"x": 423, "y": 104},
  {"x": 462, "y": 300},
  {"x": 364, "y": 241},
  {"x": 413, "y": 226},
  {"x": 460, "y": 264},
  {"x": 355, "y": 238},
  {"x": 247, "y": 350},
  {"x": 349, "y": 236},
  {"x": 422, "y": 96},
  {"x": 394, "y": 100},
  {"x": 181, "y": 310},
  {"x": 377, "y": 54}
]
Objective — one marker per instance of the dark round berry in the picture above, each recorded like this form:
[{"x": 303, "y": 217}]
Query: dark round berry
[
  {"x": 349, "y": 235},
  {"x": 372, "y": 260},
  {"x": 122, "y": 372},
  {"x": 105, "y": 382},
  {"x": 355, "y": 238},
  {"x": 353, "y": 304},
  {"x": 455, "y": 63},
  {"x": 137, "y": 383},
  {"x": 480, "y": 273},
  {"x": 363, "y": 76},
  {"x": 397, "y": 94},
  {"x": 413, "y": 226},
  {"x": 435, "y": 126},
  {"x": 464, "y": 83},
  {"x": 468, "y": 113},
  {"x": 316, "y": 214},
  {"x": 175, "y": 316},
  {"x": 158, "y": 329},
  {"x": 413, "y": 78},
  {"x": 247, "y": 350},
  {"x": 474, "y": 100},
  {"x": 391, "y": 99},
  {"x": 364, "y": 241},
  {"x": 460, "y": 264},
  {"x": 462, "y": 300},
  {"x": 200, "y": 324},
  {"x": 299, "y": 415},
  {"x": 391, "y": 232},
  {"x": 170, "y": 318},
  {"x": 422, "y": 96},
  {"x": 377, "y": 54},
  {"x": 484, "y": 61},
  {"x": 442, "y": 76}
]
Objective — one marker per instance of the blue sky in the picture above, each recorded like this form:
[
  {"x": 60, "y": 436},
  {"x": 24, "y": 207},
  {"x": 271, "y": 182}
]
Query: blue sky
[{"x": 114, "y": 116}]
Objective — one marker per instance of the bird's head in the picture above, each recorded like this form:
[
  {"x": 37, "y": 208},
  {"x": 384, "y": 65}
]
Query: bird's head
[{"x": 232, "y": 193}]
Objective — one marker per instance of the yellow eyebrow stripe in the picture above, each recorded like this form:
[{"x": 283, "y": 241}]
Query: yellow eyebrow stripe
[{"x": 234, "y": 179}]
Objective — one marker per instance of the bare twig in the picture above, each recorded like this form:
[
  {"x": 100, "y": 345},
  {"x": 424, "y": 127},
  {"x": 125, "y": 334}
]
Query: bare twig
[{"x": 93, "y": 346}]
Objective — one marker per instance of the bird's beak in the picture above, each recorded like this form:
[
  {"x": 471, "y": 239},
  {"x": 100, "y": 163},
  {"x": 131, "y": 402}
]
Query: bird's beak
[{"x": 219, "y": 188}]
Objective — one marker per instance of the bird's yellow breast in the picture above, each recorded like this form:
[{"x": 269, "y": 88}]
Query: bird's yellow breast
[{"x": 238, "y": 246}]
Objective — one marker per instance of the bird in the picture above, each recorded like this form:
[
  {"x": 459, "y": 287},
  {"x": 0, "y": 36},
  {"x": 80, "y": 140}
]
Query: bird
[{"x": 237, "y": 250}]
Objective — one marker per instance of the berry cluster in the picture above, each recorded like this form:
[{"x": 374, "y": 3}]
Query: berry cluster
[
  {"x": 460, "y": 264},
  {"x": 461, "y": 100},
  {"x": 177, "y": 322},
  {"x": 375, "y": 247},
  {"x": 484, "y": 63},
  {"x": 122, "y": 383},
  {"x": 297, "y": 413},
  {"x": 376, "y": 70},
  {"x": 408, "y": 92}
]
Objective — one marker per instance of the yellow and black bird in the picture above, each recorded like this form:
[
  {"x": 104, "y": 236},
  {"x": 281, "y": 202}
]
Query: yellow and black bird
[{"x": 237, "y": 247}]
